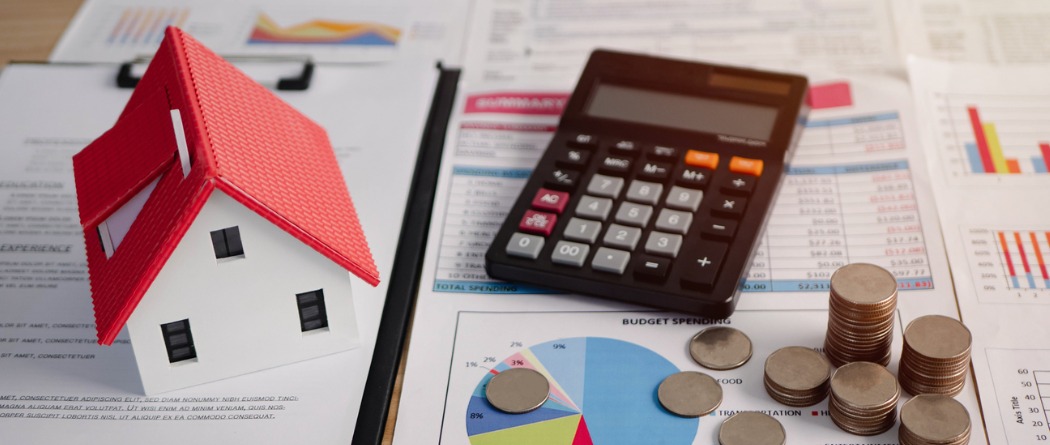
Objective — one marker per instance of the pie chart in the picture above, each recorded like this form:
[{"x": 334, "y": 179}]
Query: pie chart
[{"x": 603, "y": 392}]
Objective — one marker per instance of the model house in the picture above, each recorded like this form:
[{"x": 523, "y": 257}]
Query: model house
[{"x": 218, "y": 226}]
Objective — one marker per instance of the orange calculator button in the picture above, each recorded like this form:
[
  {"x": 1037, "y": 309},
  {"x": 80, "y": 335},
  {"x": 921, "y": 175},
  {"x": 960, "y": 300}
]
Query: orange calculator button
[
  {"x": 703, "y": 159},
  {"x": 746, "y": 166}
]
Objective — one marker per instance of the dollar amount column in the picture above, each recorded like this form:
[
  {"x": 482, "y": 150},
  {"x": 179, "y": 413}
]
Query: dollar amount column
[
  {"x": 805, "y": 238},
  {"x": 881, "y": 215}
]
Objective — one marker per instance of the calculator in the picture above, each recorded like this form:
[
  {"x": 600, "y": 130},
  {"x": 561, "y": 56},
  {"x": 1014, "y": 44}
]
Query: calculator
[{"x": 656, "y": 185}]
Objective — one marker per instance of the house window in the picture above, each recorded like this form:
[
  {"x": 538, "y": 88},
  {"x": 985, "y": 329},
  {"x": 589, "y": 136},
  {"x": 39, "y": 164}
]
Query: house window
[
  {"x": 227, "y": 243},
  {"x": 178, "y": 340},
  {"x": 312, "y": 314}
]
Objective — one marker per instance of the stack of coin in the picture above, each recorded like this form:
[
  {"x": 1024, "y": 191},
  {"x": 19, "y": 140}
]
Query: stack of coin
[
  {"x": 936, "y": 356},
  {"x": 864, "y": 398},
  {"x": 934, "y": 419},
  {"x": 797, "y": 376},
  {"x": 860, "y": 320}
]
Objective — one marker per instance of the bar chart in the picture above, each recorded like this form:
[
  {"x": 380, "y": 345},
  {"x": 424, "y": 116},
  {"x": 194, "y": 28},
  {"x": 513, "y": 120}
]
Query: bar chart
[
  {"x": 996, "y": 134},
  {"x": 1009, "y": 265}
]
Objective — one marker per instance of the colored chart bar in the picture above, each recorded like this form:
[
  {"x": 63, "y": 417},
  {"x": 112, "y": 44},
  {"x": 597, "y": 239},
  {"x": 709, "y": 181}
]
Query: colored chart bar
[
  {"x": 1024, "y": 260},
  {"x": 984, "y": 151},
  {"x": 998, "y": 160},
  {"x": 973, "y": 154},
  {"x": 1044, "y": 149},
  {"x": 1009, "y": 261}
]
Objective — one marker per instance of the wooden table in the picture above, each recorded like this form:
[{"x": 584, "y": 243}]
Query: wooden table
[{"x": 29, "y": 29}]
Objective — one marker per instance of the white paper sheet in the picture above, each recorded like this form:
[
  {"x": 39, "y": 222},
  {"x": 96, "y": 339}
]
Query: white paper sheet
[
  {"x": 1001, "y": 31},
  {"x": 996, "y": 227},
  {"x": 550, "y": 39},
  {"x": 59, "y": 385},
  {"x": 861, "y": 162},
  {"x": 327, "y": 30}
]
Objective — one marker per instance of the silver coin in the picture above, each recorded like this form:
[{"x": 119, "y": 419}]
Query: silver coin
[
  {"x": 517, "y": 390},
  {"x": 864, "y": 285},
  {"x": 935, "y": 419},
  {"x": 690, "y": 394},
  {"x": 720, "y": 348},
  {"x": 751, "y": 428}
]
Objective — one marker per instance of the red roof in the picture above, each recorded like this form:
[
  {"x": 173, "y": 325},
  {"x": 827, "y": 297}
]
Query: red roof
[{"x": 242, "y": 140}]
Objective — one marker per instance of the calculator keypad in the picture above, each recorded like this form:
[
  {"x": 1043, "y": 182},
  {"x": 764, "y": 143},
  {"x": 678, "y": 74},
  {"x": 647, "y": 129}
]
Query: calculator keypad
[{"x": 644, "y": 210}]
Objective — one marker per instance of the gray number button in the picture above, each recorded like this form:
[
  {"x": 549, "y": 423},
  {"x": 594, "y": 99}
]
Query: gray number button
[
  {"x": 610, "y": 260},
  {"x": 684, "y": 199},
  {"x": 570, "y": 253},
  {"x": 622, "y": 236},
  {"x": 607, "y": 186},
  {"x": 582, "y": 230},
  {"x": 644, "y": 192},
  {"x": 634, "y": 214},
  {"x": 527, "y": 246},
  {"x": 591, "y": 207},
  {"x": 664, "y": 244},
  {"x": 674, "y": 221}
]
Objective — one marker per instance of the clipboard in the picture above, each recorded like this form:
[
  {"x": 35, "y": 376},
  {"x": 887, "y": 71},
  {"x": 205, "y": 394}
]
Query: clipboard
[{"x": 404, "y": 277}]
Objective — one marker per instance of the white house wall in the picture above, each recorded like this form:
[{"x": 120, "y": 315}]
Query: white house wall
[{"x": 242, "y": 312}]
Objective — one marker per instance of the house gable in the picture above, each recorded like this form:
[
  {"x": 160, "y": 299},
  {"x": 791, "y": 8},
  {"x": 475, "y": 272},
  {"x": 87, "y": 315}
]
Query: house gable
[{"x": 244, "y": 312}]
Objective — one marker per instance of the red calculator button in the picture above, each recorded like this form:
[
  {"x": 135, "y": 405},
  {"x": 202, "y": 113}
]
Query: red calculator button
[
  {"x": 539, "y": 223},
  {"x": 550, "y": 200},
  {"x": 698, "y": 158},
  {"x": 745, "y": 166}
]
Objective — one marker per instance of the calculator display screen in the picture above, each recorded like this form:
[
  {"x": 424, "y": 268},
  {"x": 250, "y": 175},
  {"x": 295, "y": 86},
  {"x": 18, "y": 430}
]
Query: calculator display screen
[{"x": 681, "y": 112}]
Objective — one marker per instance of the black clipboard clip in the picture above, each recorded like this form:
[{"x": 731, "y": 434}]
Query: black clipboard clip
[{"x": 126, "y": 79}]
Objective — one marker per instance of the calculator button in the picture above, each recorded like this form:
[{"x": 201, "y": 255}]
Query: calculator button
[
  {"x": 654, "y": 170},
  {"x": 674, "y": 221},
  {"x": 663, "y": 244},
  {"x": 610, "y": 260},
  {"x": 703, "y": 159},
  {"x": 651, "y": 268},
  {"x": 539, "y": 223},
  {"x": 605, "y": 186},
  {"x": 719, "y": 229},
  {"x": 644, "y": 192},
  {"x": 570, "y": 253},
  {"x": 525, "y": 246},
  {"x": 563, "y": 179},
  {"x": 633, "y": 214},
  {"x": 596, "y": 208},
  {"x": 729, "y": 206},
  {"x": 616, "y": 165},
  {"x": 626, "y": 147},
  {"x": 585, "y": 230},
  {"x": 693, "y": 177},
  {"x": 699, "y": 264},
  {"x": 682, "y": 198},
  {"x": 622, "y": 236},
  {"x": 583, "y": 141},
  {"x": 745, "y": 166},
  {"x": 550, "y": 200},
  {"x": 739, "y": 185},
  {"x": 662, "y": 152},
  {"x": 573, "y": 157}
]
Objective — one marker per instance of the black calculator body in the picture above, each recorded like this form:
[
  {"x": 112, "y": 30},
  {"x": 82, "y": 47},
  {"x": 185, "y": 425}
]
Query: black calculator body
[{"x": 656, "y": 185}]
